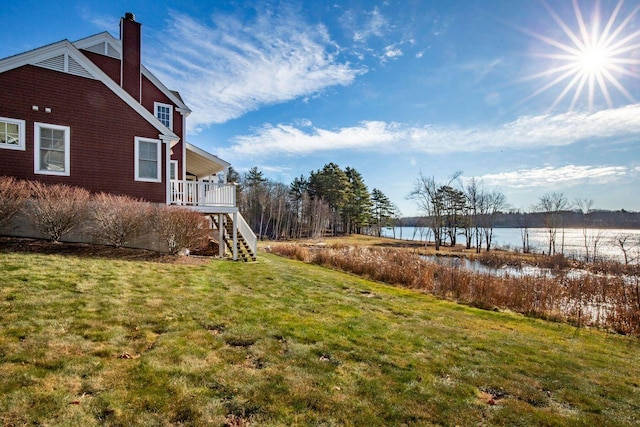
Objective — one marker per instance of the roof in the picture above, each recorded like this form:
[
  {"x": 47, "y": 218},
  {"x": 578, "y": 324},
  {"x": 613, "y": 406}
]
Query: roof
[
  {"x": 65, "y": 57},
  {"x": 202, "y": 163},
  {"x": 105, "y": 44}
]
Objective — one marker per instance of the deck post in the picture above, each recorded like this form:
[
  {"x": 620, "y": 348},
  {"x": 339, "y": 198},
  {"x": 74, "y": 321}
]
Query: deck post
[
  {"x": 221, "y": 245},
  {"x": 235, "y": 236}
]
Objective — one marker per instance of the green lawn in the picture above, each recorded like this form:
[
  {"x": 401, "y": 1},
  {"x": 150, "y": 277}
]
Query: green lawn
[{"x": 277, "y": 342}]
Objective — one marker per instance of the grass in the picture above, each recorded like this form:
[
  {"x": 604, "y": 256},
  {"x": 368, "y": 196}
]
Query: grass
[{"x": 90, "y": 341}]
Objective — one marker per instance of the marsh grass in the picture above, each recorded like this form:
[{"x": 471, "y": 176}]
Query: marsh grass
[
  {"x": 610, "y": 301},
  {"x": 89, "y": 341}
]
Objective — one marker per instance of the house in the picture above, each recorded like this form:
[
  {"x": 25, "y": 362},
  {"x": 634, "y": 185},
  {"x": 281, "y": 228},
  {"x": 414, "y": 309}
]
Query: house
[{"x": 90, "y": 114}]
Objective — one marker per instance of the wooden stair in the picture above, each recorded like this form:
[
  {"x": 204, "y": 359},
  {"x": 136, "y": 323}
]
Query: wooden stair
[{"x": 245, "y": 253}]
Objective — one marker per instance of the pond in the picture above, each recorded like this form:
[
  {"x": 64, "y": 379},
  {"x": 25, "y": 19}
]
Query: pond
[
  {"x": 570, "y": 241},
  {"x": 505, "y": 270}
]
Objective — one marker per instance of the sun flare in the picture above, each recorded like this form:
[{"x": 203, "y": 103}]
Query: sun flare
[{"x": 594, "y": 59}]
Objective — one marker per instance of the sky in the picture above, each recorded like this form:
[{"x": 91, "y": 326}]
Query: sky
[{"x": 528, "y": 97}]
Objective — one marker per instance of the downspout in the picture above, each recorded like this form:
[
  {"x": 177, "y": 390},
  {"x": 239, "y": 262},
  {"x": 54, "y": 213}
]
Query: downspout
[{"x": 167, "y": 173}]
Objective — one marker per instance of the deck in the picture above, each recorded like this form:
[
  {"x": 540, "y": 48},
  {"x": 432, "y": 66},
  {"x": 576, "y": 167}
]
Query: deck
[{"x": 220, "y": 200}]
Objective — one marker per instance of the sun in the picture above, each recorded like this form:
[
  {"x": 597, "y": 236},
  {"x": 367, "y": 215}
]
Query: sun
[{"x": 592, "y": 58}]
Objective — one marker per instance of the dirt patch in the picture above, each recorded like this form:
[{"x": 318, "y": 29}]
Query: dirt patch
[{"x": 86, "y": 250}]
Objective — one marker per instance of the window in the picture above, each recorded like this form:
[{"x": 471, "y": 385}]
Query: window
[
  {"x": 164, "y": 114},
  {"x": 51, "y": 149},
  {"x": 173, "y": 169},
  {"x": 11, "y": 134},
  {"x": 147, "y": 167}
]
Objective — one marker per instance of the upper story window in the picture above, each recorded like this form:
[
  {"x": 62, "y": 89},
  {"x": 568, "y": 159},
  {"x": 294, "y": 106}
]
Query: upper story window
[
  {"x": 164, "y": 113},
  {"x": 52, "y": 155},
  {"x": 148, "y": 160},
  {"x": 12, "y": 134}
]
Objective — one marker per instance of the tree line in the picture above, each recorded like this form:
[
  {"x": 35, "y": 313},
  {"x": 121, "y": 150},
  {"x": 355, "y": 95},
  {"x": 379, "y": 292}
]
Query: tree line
[
  {"x": 328, "y": 201},
  {"x": 452, "y": 210},
  {"x": 332, "y": 201},
  {"x": 469, "y": 210}
]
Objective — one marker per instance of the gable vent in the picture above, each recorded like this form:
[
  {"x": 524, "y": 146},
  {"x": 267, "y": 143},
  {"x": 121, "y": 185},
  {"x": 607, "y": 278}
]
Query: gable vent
[
  {"x": 74, "y": 68},
  {"x": 97, "y": 48},
  {"x": 65, "y": 64},
  {"x": 56, "y": 63},
  {"x": 112, "y": 52},
  {"x": 104, "y": 48}
]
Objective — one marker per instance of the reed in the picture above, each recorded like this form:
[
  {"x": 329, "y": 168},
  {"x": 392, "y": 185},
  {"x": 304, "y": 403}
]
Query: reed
[{"x": 608, "y": 301}]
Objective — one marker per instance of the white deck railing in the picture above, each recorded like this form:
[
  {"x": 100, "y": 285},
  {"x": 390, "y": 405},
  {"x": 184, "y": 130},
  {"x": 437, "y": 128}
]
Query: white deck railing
[{"x": 202, "y": 193}]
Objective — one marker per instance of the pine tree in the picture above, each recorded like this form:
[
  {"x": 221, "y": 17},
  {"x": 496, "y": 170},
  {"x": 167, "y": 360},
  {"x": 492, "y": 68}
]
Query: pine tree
[
  {"x": 357, "y": 211},
  {"x": 331, "y": 185},
  {"x": 382, "y": 210}
]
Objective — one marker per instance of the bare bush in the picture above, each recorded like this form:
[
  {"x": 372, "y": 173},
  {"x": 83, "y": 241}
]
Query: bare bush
[
  {"x": 57, "y": 209},
  {"x": 180, "y": 228},
  {"x": 13, "y": 195},
  {"x": 118, "y": 219}
]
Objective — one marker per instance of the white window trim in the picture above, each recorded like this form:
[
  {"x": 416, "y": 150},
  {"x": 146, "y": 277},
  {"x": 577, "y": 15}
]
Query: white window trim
[
  {"x": 158, "y": 143},
  {"x": 155, "y": 112},
  {"x": 21, "y": 132},
  {"x": 67, "y": 152}
]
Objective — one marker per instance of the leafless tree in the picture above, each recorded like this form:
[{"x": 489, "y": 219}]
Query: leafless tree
[
  {"x": 425, "y": 193},
  {"x": 474, "y": 194},
  {"x": 552, "y": 205},
  {"x": 585, "y": 207},
  {"x": 626, "y": 244},
  {"x": 492, "y": 204},
  {"x": 524, "y": 232}
]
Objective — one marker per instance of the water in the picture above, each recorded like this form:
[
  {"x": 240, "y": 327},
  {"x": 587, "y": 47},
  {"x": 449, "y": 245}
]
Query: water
[
  {"x": 511, "y": 239},
  {"x": 502, "y": 271}
]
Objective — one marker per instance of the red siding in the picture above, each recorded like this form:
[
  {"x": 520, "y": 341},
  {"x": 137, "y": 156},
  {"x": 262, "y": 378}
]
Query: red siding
[
  {"x": 111, "y": 66},
  {"x": 103, "y": 128},
  {"x": 150, "y": 94}
]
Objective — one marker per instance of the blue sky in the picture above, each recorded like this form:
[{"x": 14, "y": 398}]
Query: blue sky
[{"x": 530, "y": 97}]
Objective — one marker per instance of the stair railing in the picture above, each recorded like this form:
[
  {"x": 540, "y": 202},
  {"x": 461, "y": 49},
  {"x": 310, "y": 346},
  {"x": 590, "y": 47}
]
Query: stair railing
[{"x": 247, "y": 233}]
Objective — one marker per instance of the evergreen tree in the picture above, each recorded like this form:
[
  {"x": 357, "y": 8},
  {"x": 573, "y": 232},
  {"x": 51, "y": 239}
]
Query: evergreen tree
[
  {"x": 382, "y": 210},
  {"x": 357, "y": 211},
  {"x": 255, "y": 198},
  {"x": 331, "y": 185}
]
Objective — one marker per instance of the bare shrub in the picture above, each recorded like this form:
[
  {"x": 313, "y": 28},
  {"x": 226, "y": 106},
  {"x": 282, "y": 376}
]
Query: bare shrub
[
  {"x": 13, "y": 195},
  {"x": 57, "y": 209},
  {"x": 180, "y": 228},
  {"x": 118, "y": 219}
]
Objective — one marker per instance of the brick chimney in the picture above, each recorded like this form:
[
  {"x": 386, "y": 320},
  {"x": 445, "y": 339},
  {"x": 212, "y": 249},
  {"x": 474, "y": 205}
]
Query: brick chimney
[{"x": 130, "y": 78}]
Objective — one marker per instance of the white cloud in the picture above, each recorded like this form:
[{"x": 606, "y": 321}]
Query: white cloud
[
  {"x": 287, "y": 139},
  {"x": 375, "y": 25},
  {"x": 392, "y": 51},
  {"x": 548, "y": 176},
  {"x": 530, "y": 132},
  {"x": 227, "y": 68}
]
